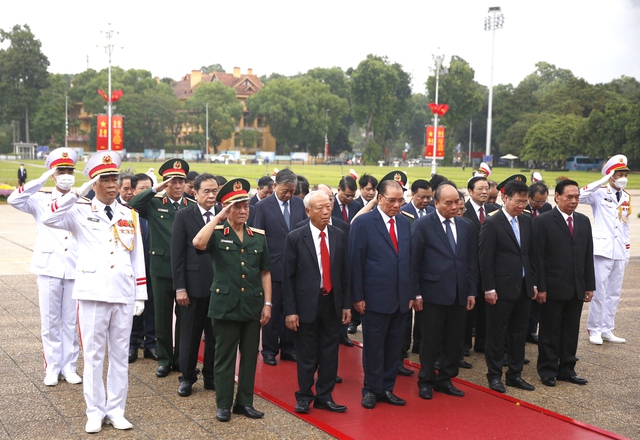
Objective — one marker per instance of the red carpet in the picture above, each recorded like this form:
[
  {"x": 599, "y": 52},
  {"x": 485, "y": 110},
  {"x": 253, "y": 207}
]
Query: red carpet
[{"x": 481, "y": 414}]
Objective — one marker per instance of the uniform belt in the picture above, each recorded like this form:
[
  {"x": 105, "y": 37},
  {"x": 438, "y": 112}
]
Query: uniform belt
[{"x": 323, "y": 292}]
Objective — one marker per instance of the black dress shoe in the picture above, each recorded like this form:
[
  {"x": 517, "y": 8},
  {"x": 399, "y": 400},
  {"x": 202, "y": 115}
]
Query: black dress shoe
[
  {"x": 248, "y": 411},
  {"x": 402, "y": 371},
  {"x": 526, "y": 361},
  {"x": 465, "y": 364},
  {"x": 496, "y": 385},
  {"x": 436, "y": 366},
  {"x": 449, "y": 389},
  {"x": 223, "y": 414},
  {"x": 369, "y": 401},
  {"x": 344, "y": 340},
  {"x": 548, "y": 381},
  {"x": 330, "y": 406},
  {"x": 151, "y": 353},
  {"x": 209, "y": 384},
  {"x": 289, "y": 357},
  {"x": 466, "y": 352},
  {"x": 574, "y": 379},
  {"x": 338, "y": 379},
  {"x": 519, "y": 382},
  {"x": 532, "y": 338},
  {"x": 176, "y": 368},
  {"x": 184, "y": 389},
  {"x": 133, "y": 355},
  {"x": 352, "y": 329},
  {"x": 426, "y": 393},
  {"x": 302, "y": 407},
  {"x": 163, "y": 371},
  {"x": 270, "y": 359},
  {"x": 391, "y": 398}
]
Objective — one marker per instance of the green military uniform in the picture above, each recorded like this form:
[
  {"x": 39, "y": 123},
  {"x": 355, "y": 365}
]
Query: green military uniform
[
  {"x": 160, "y": 212},
  {"x": 237, "y": 299}
]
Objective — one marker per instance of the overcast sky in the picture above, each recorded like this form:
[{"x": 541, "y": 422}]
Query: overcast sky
[{"x": 596, "y": 40}]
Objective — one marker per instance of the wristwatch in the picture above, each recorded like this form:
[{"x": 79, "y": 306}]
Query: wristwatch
[{"x": 267, "y": 303}]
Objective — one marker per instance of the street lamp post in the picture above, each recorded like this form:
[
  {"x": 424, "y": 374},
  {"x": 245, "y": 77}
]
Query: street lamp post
[
  {"x": 108, "y": 48},
  {"x": 491, "y": 23},
  {"x": 206, "y": 128},
  {"x": 438, "y": 60}
]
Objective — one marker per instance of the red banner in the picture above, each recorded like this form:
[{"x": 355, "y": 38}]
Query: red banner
[
  {"x": 102, "y": 133},
  {"x": 429, "y": 148}
]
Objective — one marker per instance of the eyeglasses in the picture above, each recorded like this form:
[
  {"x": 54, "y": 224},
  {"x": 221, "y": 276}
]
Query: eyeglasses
[
  {"x": 392, "y": 201},
  {"x": 519, "y": 202},
  {"x": 537, "y": 202},
  {"x": 348, "y": 196}
]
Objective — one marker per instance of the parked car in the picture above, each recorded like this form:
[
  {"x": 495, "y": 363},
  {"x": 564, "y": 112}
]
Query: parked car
[
  {"x": 583, "y": 163},
  {"x": 336, "y": 161},
  {"x": 221, "y": 158}
]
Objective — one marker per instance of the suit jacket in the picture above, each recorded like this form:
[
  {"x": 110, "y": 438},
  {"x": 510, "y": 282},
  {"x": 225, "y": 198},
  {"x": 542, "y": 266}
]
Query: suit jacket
[
  {"x": 437, "y": 272},
  {"x": 352, "y": 209},
  {"x": 502, "y": 259},
  {"x": 565, "y": 261},
  {"x": 269, "y": 218},
  {"x": 470, "y": 213},
  {"x": 378, "y": 273},
  {"x": 22, "y": 174},
  {"x": 301, "y": 277},
  {"x": 253, "y": 200},
  {"x": 190, "y": 270},
  {"x": 408, "y": 207},
  {"x": 335, "y": 221},
  {"x": 545, "y": 208}
]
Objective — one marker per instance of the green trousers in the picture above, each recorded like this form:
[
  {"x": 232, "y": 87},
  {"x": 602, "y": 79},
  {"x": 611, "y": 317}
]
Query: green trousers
[{"x": 164, "y": 298}]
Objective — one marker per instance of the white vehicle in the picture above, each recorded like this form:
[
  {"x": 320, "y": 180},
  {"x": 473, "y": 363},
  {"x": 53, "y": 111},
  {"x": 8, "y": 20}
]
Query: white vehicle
[{"x": 222, "y": 158}]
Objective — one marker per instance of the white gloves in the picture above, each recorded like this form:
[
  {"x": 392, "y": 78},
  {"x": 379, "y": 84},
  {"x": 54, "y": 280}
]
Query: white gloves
[
  {"x": 45, "y": 176},
  {"x": 86, "y": 187},
  {"x": 138, "y": 308}
]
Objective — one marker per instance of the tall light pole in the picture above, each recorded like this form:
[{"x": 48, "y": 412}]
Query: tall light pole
[
  {"x": 206, "y": 127},
  {"x": 108, "y": 48},
  {"x": 491, "y": 23},
  {"x": 66, "y": 121},
  {"x": 438, "y": 60}
]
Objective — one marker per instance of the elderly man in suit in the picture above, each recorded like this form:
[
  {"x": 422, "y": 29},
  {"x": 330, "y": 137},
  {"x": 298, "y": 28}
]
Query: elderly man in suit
[
  {"x": 566, "y": 280},
  {"x": 379, "y": 252},
  {"x": 344, "y": 206},
  {"x": 506, "y": 262},
  {"x": 276, "y": 215},
  {"x": 192, "y": 278},
  {"x": 444, "y": 268},
  {"x": 315, "y": 286}
]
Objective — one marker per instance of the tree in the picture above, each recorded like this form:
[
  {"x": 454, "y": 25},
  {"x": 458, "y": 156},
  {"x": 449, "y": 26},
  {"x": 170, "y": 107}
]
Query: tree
[
  {"x": 552, "y": 140},
  {"x": 413, "y": 124},
  {"x": 49, "y": 121},
  {"x": 212, "y": 68},
  {"x": 225, "y": 111},
  {"x": 23, "y": 74},
  {"x": 249, "y": 138}
]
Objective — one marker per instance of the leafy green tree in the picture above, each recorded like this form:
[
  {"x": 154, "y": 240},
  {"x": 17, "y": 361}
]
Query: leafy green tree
[
  {"x": 413, "y": 124},
  {"x": 249, "y": 138},
  {"x": 212, "y": 68},
  {"x": 49, "y": 121},
  {"x": 552, "y": 140},
  {"x": 23, "y": 74}
]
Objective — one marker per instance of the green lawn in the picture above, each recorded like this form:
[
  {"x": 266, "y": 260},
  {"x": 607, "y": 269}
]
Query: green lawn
[{"x": 327, "y": 174}]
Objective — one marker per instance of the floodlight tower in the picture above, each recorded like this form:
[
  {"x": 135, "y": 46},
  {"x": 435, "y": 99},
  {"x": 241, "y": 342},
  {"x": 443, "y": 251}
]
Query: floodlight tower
[{"x": 491, "y": 23}]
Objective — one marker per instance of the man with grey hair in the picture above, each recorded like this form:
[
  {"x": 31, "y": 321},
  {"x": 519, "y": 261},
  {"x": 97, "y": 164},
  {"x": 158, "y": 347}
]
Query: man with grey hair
[
  {"x": 126, "y": 189},
  {"x": 277, "y": 215}
]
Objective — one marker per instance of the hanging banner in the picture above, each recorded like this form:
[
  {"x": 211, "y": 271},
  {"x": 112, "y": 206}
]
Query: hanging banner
[
  {"x": 440, "y": 148},
  {"x": 102, "y": 133}
]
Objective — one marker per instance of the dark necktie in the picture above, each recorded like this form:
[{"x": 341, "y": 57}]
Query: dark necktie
[
  {"x": 287, "y": 216},
  {"x": 481, "y": 210},
  {"x": 570, "y": 224},
  {"x": 176, "y": 205},
  {"x": 208, "y": 217},
  {"x": 326, "y": 263},
  {"x": 392, "y": 233},
  {"x": 109, "y": 212},
  {"x": 535, "y": 213},
  {"x": 345, "y": 216},
  {"x": 420, "y": 213},
  {"x": 452, "y": 240},
  {"x": 618, "y": 195}
]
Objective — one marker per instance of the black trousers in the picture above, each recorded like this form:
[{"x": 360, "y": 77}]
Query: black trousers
[
  {"x": 507, "y": 320},
  {"x": 276, "y": 337},
  {"x": 194, "y": 321},
  {"x": 317, "y": 348},
  {"x": 443, "y": 330},
  {"x": 143, "y": 331},
  {"x": 558, "y": 337},
  {"x": 480, "y": 340}
]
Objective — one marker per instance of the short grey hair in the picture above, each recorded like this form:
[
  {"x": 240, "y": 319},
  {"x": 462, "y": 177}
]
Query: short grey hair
[{"x": 311, "y": 195}]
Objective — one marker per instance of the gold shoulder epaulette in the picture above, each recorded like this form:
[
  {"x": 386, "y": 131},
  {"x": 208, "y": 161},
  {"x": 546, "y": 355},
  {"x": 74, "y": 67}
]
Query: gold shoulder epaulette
[
  {"x": 85, "y": 198},
  {"x": 526, "y": 211},
  {"x": 190, "y": 200},
  {"x": 220, "y": 227},
  {"x": 257, "y": 231},
  {"x": 494, "y": 212},
  {"x": 406, "y": 214},
  {"x": 84, "y": 201},
  {"x": 624, "y": 190},
  {"x": 127, "y": 206},
  {"x": 47, "y": 191},
  {"x": 160, "y": 194}
]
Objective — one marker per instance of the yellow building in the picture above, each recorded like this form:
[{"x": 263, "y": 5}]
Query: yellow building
[
  {"x": 244, "y": 85},
  {"x": 79, "y": 127}
]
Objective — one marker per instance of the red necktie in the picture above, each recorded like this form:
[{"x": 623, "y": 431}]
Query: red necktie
[
  {"x": 570, "y": 222},
  {"x": 345, "y": 216},
  {"x": 481, "y": 215},
  {"x": 392, "y": 232},
  {"x": 535, "y": 213},
  {"x": 326, "y": 263}
]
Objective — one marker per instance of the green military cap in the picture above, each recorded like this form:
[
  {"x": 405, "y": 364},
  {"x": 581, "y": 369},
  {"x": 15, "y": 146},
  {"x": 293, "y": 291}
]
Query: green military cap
[
  {"x": 398, "y": 176},
  {"x": 235, "y": 190},
  {"x": 174, "y": 168},
  {"x": 520, "y": 177}
]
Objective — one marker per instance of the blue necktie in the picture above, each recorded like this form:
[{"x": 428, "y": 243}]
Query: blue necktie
[
  {"x": 452, "y": 241},
  {"x": 287, "y": 217}
]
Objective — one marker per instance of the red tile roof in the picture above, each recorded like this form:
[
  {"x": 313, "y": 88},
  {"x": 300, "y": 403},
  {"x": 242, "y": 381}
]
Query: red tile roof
[{"x": 244, "y": 85}]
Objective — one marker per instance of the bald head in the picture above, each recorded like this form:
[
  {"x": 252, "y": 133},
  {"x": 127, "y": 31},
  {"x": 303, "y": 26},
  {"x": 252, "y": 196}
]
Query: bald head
[{"x": 326, "y": 190}]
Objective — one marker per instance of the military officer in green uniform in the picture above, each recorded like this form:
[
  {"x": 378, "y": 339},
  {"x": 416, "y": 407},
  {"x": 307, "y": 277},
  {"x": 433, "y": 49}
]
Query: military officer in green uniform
[
  {"x": 159, "y": 205},
  {"x": 240, "y": 296}
]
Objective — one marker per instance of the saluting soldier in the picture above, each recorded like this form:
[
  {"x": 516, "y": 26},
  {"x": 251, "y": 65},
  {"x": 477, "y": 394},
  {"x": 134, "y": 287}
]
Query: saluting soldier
[
  {"x": 54, "y": 261},
  {"x": 110, "y": 284},
  {"x": 159, "y": 205},
  {"x": 240, "y": 296}
]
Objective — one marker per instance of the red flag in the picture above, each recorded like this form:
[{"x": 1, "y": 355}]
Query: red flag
[
  {"x": 117, "y": 134},
  {"x": 103, "y": 94},
  {"x": 102, "y": 139},
  {"x": 430, "y": 142},
  {"x": 117, "y": 94}
]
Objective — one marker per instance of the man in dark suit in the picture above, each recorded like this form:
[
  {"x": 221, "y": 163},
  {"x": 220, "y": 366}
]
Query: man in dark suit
[
  {"x": 444, "y": 274},
  {"x": 566, "y": 280},
  {"x": 159, "y": 206},
  {"x": 192, "y": 278},
  {"x": 421, "y": 195},
  {"x": 276, "y": 215},
  {"x": 368, "y": 185},
  {"x": 477, "y": 210},
  {"x": 344, "y": 205},
  {"x": 315, "y": 290},
  {"x": 264, "y": 190},
  {"x": 538, "y": 194},
  {"x": 22, "y": 175},
  {"x": 379, "y": 252},
  {"x": 506, "y": 256}
]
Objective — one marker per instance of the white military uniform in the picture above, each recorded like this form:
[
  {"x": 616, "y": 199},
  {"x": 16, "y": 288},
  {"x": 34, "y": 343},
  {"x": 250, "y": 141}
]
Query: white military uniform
[
  {"x": 54, "y": 261},
  {"x": 611, "y": 244},
  {"x": 110, "y": 276}
]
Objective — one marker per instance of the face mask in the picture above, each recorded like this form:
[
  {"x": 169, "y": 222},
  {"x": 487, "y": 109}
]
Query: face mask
[
  {"x": 621, "y": 182},
  {"x": 65, "y": 181}
]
